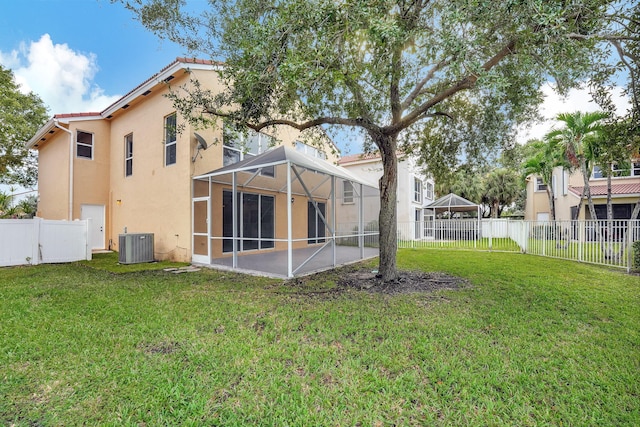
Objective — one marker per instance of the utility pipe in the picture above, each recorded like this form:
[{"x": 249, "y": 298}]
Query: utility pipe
[{"x": 57, "y": 124}]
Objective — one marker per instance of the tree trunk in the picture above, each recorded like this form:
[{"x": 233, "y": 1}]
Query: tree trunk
[
  {"x": 609, "y": 205},
  {"x": 587, "y": 188},
  {"x": 552, "y": 202},
  {"x": 388, "y": 219},
  {"x": 609, "y": 252},
  {"x": 579, "y": 207},
  {"x": 636, "y": 210}
]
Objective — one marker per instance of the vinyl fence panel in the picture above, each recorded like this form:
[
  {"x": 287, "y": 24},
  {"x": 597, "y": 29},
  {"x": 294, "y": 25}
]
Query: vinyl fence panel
[
  {"x": 18, "y": 241},
  {"x": 35, "y": 241}
]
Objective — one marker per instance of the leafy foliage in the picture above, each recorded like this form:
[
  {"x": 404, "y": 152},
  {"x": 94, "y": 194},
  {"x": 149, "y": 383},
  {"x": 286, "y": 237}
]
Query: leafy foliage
[
  {"x": 20, "y": 117},
  {"x": 25, "y": 208},
  {"x": 577, "y": 139}
]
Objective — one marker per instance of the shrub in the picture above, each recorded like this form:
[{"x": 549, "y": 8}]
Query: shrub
[{"x": 636, "y": 255}]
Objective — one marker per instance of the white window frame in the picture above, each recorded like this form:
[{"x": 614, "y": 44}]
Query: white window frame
[
  {"x": 429, "y": 190},
  {"x": 417, "y": 190},
  {"x": 85, "y": 145},
  {"x": 264, "y": 143},
  {"x": 128, "y": 154},
  {"x": 310, "y": 151},
  {"x": 170, "y": 144},
  {"x": 347, "y": 193},
  {"x": 635, "y": 168},
  {"x": 597, "y": 170},
  {"x": 540, "y": 185}
]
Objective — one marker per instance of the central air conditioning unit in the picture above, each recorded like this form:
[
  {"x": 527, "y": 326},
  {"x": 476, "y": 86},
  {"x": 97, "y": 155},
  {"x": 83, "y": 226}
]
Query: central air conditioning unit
[{"x": 135, "y": 248}]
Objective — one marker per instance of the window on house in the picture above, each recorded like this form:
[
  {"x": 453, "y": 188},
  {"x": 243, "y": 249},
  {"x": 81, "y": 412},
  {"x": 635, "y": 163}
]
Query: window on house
[
  {"x": 417, "y": 190},
  {"x": 429, "y": 190},
  {"x": 624, "y": 169},
  {"x": 255, "y": 221},
  {"x": 565, "y": 182},
  {"x": 347, "y": 192},
  {"x": 315, "y": 224},
  {"x": 237, "y": 147},
  {"x": 635, "y": 169},
  {"x": 170, "y": 139},
  {"x": 84, "y": 144},
  {"x": 311, "y": 151},
  {"x": 540, "y": 185},
  {"x": 128, "y": 155},
  {"x": 597, "y": 172}
]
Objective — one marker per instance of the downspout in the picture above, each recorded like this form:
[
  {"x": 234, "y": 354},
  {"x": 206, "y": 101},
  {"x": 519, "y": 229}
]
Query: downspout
[{"x": 57, "y": 124}]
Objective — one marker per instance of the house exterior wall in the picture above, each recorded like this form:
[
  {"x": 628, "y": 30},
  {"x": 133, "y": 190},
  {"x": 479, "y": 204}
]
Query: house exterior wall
[
  {"x": 91, "y": 176},
  {"x": 155, "y": 198},
  {"x": 53, "y": 178},
  {"x": 537, "y": 202}
]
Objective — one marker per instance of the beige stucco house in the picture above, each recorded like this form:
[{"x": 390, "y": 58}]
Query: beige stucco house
[
  {"x": 568, "y": 190},
  {"x": 132, "y": 167}
]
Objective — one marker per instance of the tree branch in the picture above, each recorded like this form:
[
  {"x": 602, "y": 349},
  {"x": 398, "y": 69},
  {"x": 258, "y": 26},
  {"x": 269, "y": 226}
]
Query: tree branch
[
  {"x": 359, "y": 122},
  {"x": 418, "y": 89},
  {"x": 466, "y": 83},
  {"x": 606, "y": 37},
  {"x": 394, "y": 86}
]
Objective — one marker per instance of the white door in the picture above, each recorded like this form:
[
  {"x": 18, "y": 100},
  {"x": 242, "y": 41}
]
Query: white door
[
  {"x": 201, "y": 241},
  {"x": 96, "y": 232}
]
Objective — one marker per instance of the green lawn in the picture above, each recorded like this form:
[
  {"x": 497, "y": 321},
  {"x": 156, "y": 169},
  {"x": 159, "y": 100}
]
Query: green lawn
[{"x": 533, "y": 341}]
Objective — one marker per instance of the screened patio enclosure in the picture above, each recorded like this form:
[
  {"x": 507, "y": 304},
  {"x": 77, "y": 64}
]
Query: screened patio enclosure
[{"x": 283, "y": 213}]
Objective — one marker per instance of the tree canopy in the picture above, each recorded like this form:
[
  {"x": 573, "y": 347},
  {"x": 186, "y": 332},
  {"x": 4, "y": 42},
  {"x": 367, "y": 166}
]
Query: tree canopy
[
  {"x": 398, "y": 70},
  {"x": 20, "y": 117}
]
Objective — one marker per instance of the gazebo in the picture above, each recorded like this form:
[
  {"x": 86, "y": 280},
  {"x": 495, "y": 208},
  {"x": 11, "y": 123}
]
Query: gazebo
[
  {"x": 453, "y": 203},
  {"x": 458, "y": 229},
  {"x": 283, "y": 213}
]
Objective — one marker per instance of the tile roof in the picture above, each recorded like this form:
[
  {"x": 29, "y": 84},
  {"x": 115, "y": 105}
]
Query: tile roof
[
  {"x": 616, "y": 189},
  {"x": 352, "y": 158},
  {"x": 72, "y": 115}
]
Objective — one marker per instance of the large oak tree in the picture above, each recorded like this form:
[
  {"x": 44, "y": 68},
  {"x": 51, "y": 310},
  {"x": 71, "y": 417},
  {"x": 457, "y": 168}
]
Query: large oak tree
[{"x": 391, "y": 68}]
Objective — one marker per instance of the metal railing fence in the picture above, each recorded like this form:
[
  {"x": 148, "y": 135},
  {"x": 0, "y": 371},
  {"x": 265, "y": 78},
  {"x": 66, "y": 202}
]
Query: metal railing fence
[{"x": 600, "y": 242}]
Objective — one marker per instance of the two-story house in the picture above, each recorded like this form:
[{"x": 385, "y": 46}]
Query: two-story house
[
  {"x": 139, "y": 167},
  {"x": 568, "y": 188},
  {"x": 415, "y": 190}
]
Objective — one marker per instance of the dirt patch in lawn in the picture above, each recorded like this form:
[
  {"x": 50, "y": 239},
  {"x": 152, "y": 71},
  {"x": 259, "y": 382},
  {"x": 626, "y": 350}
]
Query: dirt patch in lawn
[
  {"x": 407, "y": 282},
  {"x": 367, "y": 280}
]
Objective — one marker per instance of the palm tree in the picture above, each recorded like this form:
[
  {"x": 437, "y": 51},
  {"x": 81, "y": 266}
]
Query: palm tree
[
  {"x": 28, "y": 206},
  {"x": 501, "y": 189},
  {"x": 544, "y": 157},
  {"x": 5, "y": 204},
  {"x": 576, "y": 138}
]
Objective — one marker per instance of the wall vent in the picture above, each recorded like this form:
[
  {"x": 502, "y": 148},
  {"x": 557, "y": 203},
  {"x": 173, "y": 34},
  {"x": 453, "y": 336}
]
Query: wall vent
[{"x": 135, "y": 248}]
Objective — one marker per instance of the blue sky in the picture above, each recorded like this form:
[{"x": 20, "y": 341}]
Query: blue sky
[{"x": 79, "y": 55}]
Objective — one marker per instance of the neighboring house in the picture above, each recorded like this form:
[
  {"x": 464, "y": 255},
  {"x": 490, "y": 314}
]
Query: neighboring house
[
  {"x": 130, "y": 168},
  {"x": 415, "y": 189},
  {"x": 625, "y": 191}
]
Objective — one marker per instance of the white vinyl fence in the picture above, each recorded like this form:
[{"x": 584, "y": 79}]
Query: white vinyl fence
[
  {"x": 593, "y": 241},
  {"x": 37, "y": 241}
]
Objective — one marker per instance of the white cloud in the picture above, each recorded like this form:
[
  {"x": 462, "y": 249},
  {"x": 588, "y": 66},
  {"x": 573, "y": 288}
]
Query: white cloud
[
  {"x": 62, "y": 77},
  {"x": 554, "y": 104}
]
